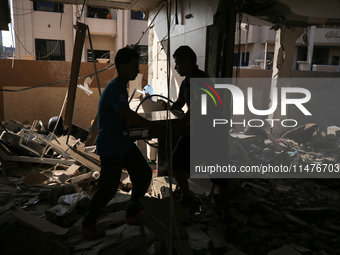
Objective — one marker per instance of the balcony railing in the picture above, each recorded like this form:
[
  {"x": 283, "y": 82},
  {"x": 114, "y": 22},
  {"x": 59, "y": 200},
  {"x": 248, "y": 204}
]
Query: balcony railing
[{"x": 102, "y": 26}]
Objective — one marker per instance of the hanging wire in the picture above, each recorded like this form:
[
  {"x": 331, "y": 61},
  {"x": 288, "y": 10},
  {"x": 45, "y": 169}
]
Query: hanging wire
[
  {"x": 168, "y": 135},
  {"x": 81, "y": 12},
  {"x": 55, "y": 127},
  {"x": 146, "y": 30},
  {"x": 93, "y": 59}
]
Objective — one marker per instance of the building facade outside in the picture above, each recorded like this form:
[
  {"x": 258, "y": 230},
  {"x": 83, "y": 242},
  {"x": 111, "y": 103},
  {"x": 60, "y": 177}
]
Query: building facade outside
[
  {"x": 44, "y": 31},
  {"x": 317, "y": 49}
]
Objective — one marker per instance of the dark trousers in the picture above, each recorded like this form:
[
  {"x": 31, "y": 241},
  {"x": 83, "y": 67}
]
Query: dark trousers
[{"x": 111, "y": 169}]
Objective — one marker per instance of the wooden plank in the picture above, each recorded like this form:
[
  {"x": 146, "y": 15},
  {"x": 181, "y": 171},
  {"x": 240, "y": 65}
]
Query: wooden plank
[
  {"x": 38, "y": 223},
  {"x": 76, "y": 61},
  {"x": 61, "y": 145},
  {"x": 5, "y": 157},
  {"x": 69, "y": 172}
]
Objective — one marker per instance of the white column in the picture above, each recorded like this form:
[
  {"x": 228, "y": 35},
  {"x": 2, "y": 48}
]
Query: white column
[
  {"x": 311, "y": 38},
  {"x": 282, "y": 64}
]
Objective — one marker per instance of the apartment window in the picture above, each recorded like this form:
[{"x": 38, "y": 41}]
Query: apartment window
[
  {"x": 50, "y": 49},
  {"x": 102, "y": 54},
  {"x": 143, "y": 52},
  {"x": 137, "y": 15},
  {"x": 48, "y": 7}
]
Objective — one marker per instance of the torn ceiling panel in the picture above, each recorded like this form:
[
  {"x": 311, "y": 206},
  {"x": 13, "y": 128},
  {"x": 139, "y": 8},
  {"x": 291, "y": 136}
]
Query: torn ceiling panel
[{"x": 141, "y": 5}]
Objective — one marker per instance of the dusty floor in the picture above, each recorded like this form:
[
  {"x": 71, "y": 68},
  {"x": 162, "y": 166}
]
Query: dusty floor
[
  {"x": 269, "y": 216},
  {"x": 41, "y": 208}
]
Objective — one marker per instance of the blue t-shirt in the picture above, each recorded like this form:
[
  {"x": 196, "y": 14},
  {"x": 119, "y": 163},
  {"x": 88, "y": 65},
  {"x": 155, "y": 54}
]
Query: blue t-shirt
[{"x": 110, "y": 140}]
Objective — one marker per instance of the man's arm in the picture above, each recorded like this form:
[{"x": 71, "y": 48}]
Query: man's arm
[{"x": 178, "y": 104}]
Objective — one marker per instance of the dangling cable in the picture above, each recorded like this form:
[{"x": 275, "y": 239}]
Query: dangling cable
[
  {"x": 168, "y": 143},
  {"x": 94, "y": 60},
  {"x": 55, "y": 127}
]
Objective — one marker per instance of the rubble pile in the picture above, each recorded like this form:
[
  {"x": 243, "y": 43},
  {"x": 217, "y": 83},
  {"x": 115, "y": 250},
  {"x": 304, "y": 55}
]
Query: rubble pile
[{"x": 47, "y": 182}]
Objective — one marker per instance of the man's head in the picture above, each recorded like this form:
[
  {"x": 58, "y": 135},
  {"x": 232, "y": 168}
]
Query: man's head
[
  {"x": 185, "y": 59},
  {"x": 127, "y": 63}
]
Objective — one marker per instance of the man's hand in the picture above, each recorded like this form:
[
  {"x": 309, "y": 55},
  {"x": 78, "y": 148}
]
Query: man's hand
[{"x": 166, "y": 105}]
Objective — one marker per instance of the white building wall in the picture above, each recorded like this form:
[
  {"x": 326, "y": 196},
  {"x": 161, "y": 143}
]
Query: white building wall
[
  {"x": 41, "y": 25},
  {"x": 23, "y": 29},
  {"x": 46, "y": 25},
  {"x": 135, "y": 31},
  {"x": 191, "y": 32},
  {"x": 101, "y": 43},
  {"x": 105, "y": 34}
]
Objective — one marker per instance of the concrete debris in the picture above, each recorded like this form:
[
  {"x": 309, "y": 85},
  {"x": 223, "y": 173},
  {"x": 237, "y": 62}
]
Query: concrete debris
[
  {"x": 68, "y": 209},
  {"x": 333, "y": 130},
  {"x": 160, "y": 187},
  {"x": 45, "y": 187}
]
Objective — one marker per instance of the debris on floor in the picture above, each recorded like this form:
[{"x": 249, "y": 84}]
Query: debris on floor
[{"x": 46, "y": 184}]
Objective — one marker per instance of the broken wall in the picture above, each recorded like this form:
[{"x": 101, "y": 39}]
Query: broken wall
[
  {"x": 46, "y": 102},
  {"x": 189, "y": 31}
]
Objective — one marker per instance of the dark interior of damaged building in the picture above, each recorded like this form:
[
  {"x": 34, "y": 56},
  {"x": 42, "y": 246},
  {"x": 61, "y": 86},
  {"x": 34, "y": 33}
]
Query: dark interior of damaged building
[{"x": 49, "y": 171}]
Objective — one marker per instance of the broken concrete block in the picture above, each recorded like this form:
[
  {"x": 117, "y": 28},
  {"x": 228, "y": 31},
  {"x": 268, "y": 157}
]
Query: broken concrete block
[
  {"x": 333, "y": 130},
  {"x": 160, "y": 187},
  {"x": 64, "y": 213},
  {"x": 52, "y": 193}
]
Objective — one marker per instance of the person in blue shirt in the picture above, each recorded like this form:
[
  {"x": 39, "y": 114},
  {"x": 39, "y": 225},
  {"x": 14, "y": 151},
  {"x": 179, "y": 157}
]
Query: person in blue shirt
[{"x": 115, "y": 150}]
